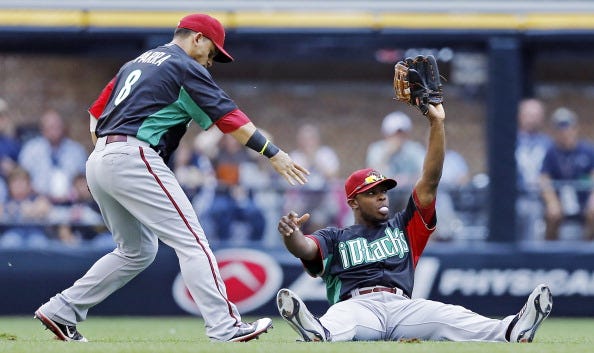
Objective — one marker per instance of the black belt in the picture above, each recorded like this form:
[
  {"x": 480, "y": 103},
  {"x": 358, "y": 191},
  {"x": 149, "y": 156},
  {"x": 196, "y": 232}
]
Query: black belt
[
  {"x": 366, "y": 290},
  {"x": 115, "y": 138}
]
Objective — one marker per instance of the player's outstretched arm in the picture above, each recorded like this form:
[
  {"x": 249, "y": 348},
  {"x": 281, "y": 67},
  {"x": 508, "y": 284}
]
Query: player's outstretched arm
[
  {"x": 249, "y": 136},
  {"x": 417, "y": 82},
  {"x": 298, "y": 244},
  {"x": 291, "y": 171},
  {"x": 426, "y": 186}
]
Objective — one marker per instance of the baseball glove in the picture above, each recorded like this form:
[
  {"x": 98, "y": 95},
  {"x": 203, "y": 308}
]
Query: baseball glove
[{"x": 417, "y": 82}]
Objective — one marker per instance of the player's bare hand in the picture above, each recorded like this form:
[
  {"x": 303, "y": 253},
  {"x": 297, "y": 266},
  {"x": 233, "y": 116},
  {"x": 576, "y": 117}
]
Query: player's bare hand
[
  {"x": 436, "y": 112},
  {"x": 291, "y": 171},
  {"x": 291, "y": 223}
]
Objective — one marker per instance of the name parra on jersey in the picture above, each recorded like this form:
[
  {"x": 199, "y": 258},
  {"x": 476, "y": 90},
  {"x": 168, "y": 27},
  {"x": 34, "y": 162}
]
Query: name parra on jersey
[{"x": 152, "y": 57}]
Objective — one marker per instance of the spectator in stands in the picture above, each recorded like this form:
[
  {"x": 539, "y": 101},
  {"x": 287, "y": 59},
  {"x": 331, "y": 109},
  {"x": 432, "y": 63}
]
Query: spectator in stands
[
  {"x": 78, "y": 219},
  {"x": 455, "y": 170},
  {"x": 10, "y": 145},
  {"x": 193, "y": 169},
  {"x": 531, "y": 147},
  {"x": 25, "y": 213},
  {"x": 52, "y": 159},
  {"x": 397, "y": 155},
  {"x": 203, "y": 150},
  {"x": 3, "y": 192},
  {"x": 567, "y": 177},
  {"x": 323, "y": 195},
  {"x": 266, "y": 186},
  {"x": 233, "y": 208},
  {"x": 455, "y": 175}
]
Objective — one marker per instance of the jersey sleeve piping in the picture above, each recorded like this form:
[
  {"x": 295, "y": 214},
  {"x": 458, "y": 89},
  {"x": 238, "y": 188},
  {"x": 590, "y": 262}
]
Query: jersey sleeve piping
[{"x": 315, "y": 267}]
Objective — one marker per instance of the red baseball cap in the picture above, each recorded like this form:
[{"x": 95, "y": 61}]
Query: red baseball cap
[
  {"x": 211, "y": 28},
  {"x": 365, "y": 179}
]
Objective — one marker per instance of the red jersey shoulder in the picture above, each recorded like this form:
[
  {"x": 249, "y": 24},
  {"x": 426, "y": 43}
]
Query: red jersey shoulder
[{"x": 96, "y": 109}]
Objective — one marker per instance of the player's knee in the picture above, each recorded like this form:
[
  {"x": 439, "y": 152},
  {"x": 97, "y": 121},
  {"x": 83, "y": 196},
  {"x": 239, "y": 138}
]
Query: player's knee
[
  {"x": 138, "y": 259},
  {"x": 148, "y": 252}
]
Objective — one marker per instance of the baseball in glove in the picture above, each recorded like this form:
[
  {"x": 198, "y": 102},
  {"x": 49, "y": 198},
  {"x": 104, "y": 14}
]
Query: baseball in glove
[{"x": 417, "y": 82}]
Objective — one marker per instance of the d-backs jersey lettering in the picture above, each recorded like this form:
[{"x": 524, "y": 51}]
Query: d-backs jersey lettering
[{"x": 358, "y": 256}]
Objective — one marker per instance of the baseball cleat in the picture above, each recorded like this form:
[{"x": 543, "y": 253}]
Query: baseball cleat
[
  {"x": 248, "y": 332},
  {"x": 294, "y": 311},
  {"x": 536, "y": 309},
  {"x": 67, "y": 333}
]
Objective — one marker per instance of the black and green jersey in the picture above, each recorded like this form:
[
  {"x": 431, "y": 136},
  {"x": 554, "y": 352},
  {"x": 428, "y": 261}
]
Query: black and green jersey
[
  {"x": 158, "y": 94},
  {"x": 359, "y": 256}
]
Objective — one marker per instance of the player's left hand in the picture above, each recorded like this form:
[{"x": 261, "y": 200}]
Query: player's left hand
[
  {"x": 289, "y": 169},
  {"x": 435, "y": 112}
]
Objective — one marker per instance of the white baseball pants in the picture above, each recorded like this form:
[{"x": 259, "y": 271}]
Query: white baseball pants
[{"x": 382, "y": 316}]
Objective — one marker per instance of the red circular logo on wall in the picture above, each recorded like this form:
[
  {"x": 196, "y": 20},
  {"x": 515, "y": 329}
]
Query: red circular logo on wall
[{"x": 251, "y": 277}]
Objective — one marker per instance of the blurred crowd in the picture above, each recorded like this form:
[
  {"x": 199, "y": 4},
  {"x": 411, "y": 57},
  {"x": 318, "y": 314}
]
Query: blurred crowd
[
  {"x": 555, "y": 175},
  {"x": 44, "y": 199}
]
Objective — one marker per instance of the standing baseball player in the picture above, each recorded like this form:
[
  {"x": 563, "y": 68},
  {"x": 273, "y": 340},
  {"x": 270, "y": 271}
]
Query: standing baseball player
[
  {"x": 142, "y": 115},
  {"x": 368, "y": 268}
]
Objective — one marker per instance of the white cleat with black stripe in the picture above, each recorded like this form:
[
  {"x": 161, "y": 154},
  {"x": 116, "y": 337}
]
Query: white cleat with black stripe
[
  {"x": 537, "y": 308},
  {"x": 294, "y": 311},
  {"x": 247, "y": 332}
]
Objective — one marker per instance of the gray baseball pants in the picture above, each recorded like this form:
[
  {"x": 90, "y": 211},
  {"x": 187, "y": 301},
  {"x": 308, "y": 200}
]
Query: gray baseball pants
[
  {"x": 141, "y": 202},
  {"x": 390, "y": 317}
]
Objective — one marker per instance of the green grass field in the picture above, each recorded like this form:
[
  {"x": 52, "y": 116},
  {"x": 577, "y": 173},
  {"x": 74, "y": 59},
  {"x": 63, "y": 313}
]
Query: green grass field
[{"x": 186, "y": 334}]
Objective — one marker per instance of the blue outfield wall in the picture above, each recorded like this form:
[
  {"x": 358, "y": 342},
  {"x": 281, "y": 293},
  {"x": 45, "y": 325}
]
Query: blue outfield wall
[{"x": 489, "y": 279}]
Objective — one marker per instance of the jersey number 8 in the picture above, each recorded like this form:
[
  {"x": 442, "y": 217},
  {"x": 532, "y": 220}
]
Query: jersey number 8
[{"x": 125, "y": 91}]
